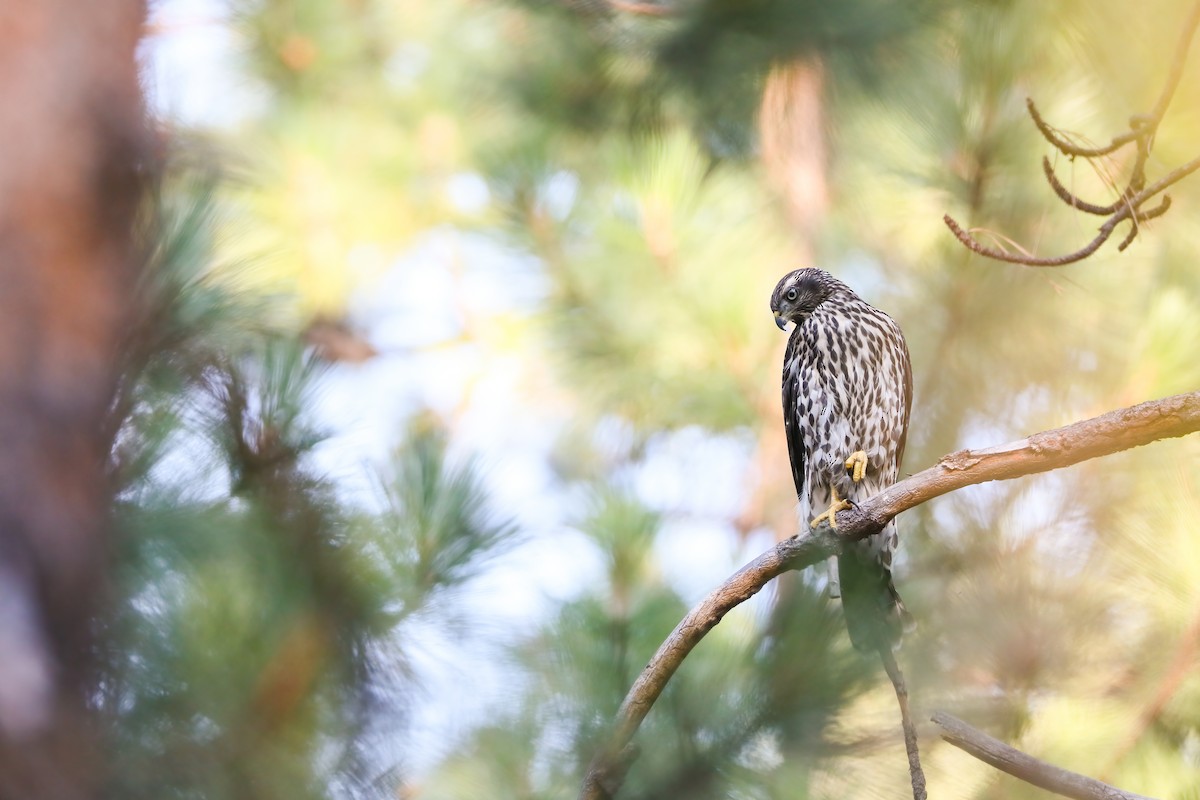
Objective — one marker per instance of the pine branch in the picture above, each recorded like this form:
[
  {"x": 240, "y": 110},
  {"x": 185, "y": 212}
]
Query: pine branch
[
  {"x": 1129, "y": 210},
  {"x": 1109, "y": 433},
  {"x": 1128, "y": 206},
  {"x": 1026, "y": 767}
]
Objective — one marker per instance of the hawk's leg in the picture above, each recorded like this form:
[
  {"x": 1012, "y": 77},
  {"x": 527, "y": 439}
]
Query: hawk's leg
[
  {"x": 836, "y": 505},
  {"x": 856, "y": 465}
]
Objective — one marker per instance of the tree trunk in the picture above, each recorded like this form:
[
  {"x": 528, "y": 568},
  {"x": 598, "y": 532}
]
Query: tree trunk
[{"x": 73, "y": 139}]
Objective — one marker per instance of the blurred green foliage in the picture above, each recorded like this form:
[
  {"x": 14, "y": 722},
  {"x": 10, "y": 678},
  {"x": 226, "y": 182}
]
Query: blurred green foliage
[
  {"x": 252, "y": 651},
  {"x": 258, "y": 643}
]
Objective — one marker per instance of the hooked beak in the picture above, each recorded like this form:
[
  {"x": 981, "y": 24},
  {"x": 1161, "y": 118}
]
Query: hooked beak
[{"x": 780, "y": 323}]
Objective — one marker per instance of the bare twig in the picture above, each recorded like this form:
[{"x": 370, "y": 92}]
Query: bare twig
[
  {"x": 1100, "y": 436},
  {"x": 1128, "y": 206},
  {"x": 1026, "y": 767},
  {"x": 1068, "y": 197},
  {"x": 915, "y": 773},
  {"x": 1051, "y": 135},
  {"x": 1128, "y": 211},
  {"x": 972, "y": 244}
]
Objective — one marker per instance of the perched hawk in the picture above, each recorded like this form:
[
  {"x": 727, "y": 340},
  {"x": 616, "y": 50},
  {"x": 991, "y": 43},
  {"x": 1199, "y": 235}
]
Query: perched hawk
[{"x": 847, "y": 390}]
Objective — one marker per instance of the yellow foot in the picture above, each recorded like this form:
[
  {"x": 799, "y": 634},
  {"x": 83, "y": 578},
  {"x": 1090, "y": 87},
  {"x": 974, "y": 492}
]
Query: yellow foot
[
  {"x": 856, "y": 465},
  {"x": 837, "y": 505}
]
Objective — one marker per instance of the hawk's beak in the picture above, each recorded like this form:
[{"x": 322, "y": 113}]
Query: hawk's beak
[{"x": 780, "y": 323}]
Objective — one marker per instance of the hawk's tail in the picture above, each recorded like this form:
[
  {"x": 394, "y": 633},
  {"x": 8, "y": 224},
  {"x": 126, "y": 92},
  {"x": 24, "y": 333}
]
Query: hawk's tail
[{"x": 875, "y": 614}]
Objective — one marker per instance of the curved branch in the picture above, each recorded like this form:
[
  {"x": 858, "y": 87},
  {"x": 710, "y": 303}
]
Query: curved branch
[
  {"x": 1142, "y": 130},
  {"x": 1129, "y": 210},
  {"x": 1109, "y": 433},
  {"x": 1160, "y": 209},
  {"x": 1026, "y": 767},
  {"x": 607, "y": 770},
  {"x": 975, "y": 246},
  {"x": 1050, "y": 134},
  {"x": 1068, "y": 197},
  {"x": 1104, "y": 435},
  {"x": 1129, "y": 237}
]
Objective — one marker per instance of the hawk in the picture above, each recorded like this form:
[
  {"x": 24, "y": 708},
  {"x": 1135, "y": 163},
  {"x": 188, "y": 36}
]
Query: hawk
[{"x": 847, "y": 391}]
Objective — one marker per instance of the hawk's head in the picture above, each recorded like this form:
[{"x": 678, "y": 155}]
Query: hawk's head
[{"x": 799, "y": 293}]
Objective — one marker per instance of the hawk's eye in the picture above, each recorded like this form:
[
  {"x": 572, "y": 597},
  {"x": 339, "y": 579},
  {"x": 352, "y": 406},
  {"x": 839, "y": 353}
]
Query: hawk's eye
[{"x": 791, "y": 295}]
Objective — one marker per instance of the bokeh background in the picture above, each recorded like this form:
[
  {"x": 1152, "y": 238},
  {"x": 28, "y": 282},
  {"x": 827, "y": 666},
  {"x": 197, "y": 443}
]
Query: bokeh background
[{"x": 461, "y": 387}]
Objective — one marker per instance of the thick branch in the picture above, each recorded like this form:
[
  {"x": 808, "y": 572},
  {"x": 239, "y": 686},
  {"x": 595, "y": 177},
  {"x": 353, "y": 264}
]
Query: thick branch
[
  {"x": 1104, "y": 435},
  {"x": 1026, "y": 767}
]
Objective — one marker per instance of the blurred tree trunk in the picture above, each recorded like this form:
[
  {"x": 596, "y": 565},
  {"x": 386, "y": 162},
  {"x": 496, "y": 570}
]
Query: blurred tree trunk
[
  {"x": 72, "y": 133},
  {"x": 795, "y": 157},
  {"x": 791, "y": 126}
]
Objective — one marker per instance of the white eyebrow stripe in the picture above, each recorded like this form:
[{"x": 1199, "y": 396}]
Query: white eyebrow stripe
[{"x": 791, "y": 281}]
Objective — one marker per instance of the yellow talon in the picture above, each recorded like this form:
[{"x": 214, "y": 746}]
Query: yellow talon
[
  {"x": 858, "y": 463},
  {"x": 837, "y": 505}
]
